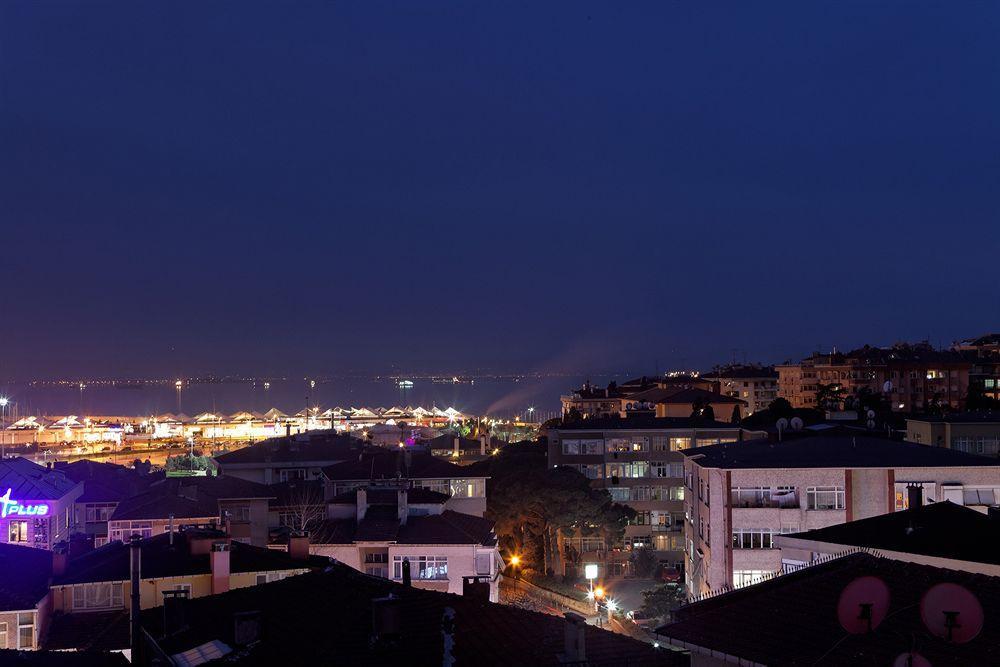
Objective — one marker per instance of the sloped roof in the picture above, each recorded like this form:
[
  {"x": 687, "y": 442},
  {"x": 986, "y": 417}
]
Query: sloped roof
[
  {"x": 942, "y": 529},
  {"x": 390, "y": 464},
  {"x": 340, "y": 598},
  {"x": 159, "y": 559},
  {"x": 449, "y": 527},
  {"x": 792, "y": 619},
  {"x": 325, "y": 447},
  {"x": 24, "y": 576},
  {"x": 834, "y": 450},
  {"x": 187, "y": 497},
  {"x": 31, "y": 481}
]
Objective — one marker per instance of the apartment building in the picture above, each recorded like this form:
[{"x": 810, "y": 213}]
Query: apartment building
[
  {"x": 983, "y": 353},
  {"x": 739, "y": 496},
  {"x": 639, "y": 461},
  {"x": 912, "y": 377},
  {"x": 235, "y": 505},
  {"x": 972, "y": 432},
  {"x": 757, "y": 385},
  {"x": 465, "y": 490},
  {"x": 300, "y": 456},
  {"x": 36, "y": 504},
  {"x": 376, "y": 529},
  {"x": 941, "y": 534},
  {"x": 593, "y": 401}
]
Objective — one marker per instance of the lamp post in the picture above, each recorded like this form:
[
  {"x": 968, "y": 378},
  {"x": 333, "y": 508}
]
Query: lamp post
[{"x": 179, "y": 385}]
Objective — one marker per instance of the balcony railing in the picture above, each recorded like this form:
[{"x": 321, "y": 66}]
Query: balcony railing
[{"x": 773, "y": 501}]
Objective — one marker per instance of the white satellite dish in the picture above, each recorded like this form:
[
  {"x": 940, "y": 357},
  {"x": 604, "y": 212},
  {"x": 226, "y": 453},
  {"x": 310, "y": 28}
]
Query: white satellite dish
[
  {"x": 782, "y": 424},
  {"x": 871, "y": 414},
  {"x": 797, "y": 423},
  {"x": 886, "y": 387}
]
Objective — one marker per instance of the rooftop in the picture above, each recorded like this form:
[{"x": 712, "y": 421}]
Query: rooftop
[
  {"x": 325, "y": 447},
  {"x": 339, "y": 597},
  {"x": 381, "y": 524},
  {"x": 389, "y": 464},
  {"x": 833, "y": 450},
  {"x": 645, "y": 423},
  {"x": 25, "y": 576},
  {"x": 31, "y": 481},
  {"x": 985, "y": 417},
  {"x": 943, "y": 530},
  {"x": 161, "y": 559},
  {"x": 187, "y": 497},
  {"x": 682, "y": 396},
  {"x": 792, "y": 619}
]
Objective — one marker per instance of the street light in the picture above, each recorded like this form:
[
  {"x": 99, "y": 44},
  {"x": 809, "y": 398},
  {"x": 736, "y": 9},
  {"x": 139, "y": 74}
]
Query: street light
[{"x": 3, "y": 424}]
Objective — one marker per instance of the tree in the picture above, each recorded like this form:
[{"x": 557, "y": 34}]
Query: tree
[
  {"x": 644, "y": 562},
  {"x": 306, "y": 507},
  {"x": 829, "y": 396},
  {"x": 737, "y": 415},
  {"x": 534, "y": 507},
  {"x": 976, "y": 399},
  {"x": 780, "y": 407},
  {"x": 660, "y": 601},
  {"x": 702, "y": 409}
]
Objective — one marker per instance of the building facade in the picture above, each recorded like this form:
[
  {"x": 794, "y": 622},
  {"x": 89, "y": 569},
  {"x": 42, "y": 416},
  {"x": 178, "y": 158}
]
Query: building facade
[
  {"x": 739, "y": 497},
  {"x": 975, "y": 433},
  {"x": 757, "y": 385},
  {"x": 639, "y": 462},
  {"x": 911, "y": 377},
  {"x": 36, "y": 504}
]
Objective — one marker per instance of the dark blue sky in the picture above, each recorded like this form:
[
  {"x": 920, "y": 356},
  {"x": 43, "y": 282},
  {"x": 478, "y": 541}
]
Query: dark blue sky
[{"x": 288, "y": 187}]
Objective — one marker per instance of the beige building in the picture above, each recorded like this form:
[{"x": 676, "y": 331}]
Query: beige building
[
  {"x": 911, "y": 377},
  {"x": 972, "y": 432},
  {"x": 757, "y": 385},
  {"x": 739, "y": 496}
]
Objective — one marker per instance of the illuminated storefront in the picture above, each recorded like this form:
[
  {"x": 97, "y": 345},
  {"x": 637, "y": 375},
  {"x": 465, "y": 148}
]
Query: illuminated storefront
[{"x": 36, "y": 504}]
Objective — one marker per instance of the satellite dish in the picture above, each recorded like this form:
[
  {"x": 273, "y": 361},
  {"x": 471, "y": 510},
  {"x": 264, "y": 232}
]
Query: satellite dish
[
  {"x": 952, "y": 612},
  {"x": 797, "y": 423},
  {"x": 887, "y": 387},
  {"x": 782, "y": 424},
  {"x": 863, "y": 605},
  {"x": 911, "y": 660},
  {"x": 871, "y": 414}
]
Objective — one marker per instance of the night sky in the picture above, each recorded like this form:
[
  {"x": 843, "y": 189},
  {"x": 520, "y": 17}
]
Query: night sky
[{"x": 275, "y": 187}]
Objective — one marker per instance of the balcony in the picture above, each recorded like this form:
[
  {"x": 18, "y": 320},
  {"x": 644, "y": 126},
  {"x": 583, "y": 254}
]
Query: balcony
[{"x": 773, "y": 500}]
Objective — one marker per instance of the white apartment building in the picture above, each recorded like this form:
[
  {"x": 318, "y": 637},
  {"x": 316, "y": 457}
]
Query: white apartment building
[
  {"x": 757, "y": 385},
  {"x": 739, "y": 496}
]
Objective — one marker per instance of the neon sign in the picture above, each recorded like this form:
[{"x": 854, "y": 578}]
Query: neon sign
[{"x": 10, "y": 507}]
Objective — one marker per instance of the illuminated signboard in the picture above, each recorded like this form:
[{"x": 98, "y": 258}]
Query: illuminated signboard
[{"x": 10, "y": 507}]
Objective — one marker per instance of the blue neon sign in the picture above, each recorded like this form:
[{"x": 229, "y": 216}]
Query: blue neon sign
[{"x": 10, "y": 507}]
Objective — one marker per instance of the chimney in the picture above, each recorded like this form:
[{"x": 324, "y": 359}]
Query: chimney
[
  {"x": 402, "y": 506},
  {"x": 914, "y": 496},
  {"x": 219, "y": 560},
  {"x": 386, "y": 618},
  {"x": 60, "y": 559},
  {"x": 171, "y": 517},
  {"x": 362, "y": 503},
  {"x": 458, "y": 447},
  {"x": 993, "y": 512},
  {"x": 482, "y": 445},
  {"x": 298, "y": 546},
  {"x": 135, "y": 565},
  {"x": 575, "y": 647},
  {"x": 406, "y": 572}
]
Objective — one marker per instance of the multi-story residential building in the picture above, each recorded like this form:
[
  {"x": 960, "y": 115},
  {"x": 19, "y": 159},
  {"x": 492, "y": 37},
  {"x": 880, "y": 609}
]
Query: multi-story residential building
[
  {"x": 739, "y": 496},
  {"x": 374, "y": 529},
  {"x": 911, "y": 377},
  {"x": 25, "y": 602},
  {"x": 681, "y": 402},
  {"x": 37, "y": 504},
  {"x": 984, "y": 355},
  {"x": 940, "y": 534},
  {"x": 610, "y": 401},
  {"x": 466, "y": 492},
  {"x": 639, "y": 461},
  {"x": 972, "y": 432},
  {"x": 235, "y": 505},
  {"x": 104, "y": 486},
  {"x": 301, "y": 456},
  {"x": 757, "y": 385}
]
